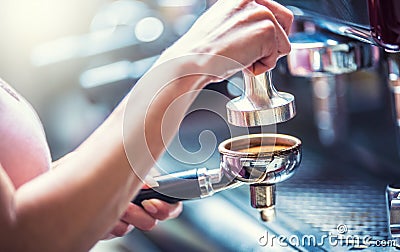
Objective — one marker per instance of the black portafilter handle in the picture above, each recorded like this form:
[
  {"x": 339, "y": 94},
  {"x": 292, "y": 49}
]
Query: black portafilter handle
[{"x": 172, "y": 188}]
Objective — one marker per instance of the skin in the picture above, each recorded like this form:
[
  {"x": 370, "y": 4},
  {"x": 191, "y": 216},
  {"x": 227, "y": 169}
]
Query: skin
[{"x": 87, "y": 194}]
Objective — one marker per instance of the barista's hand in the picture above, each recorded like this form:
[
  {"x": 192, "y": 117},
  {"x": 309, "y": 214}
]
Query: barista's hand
[
  {"x": 146, "y": 217},
  {"x": 251, "y": 32}
]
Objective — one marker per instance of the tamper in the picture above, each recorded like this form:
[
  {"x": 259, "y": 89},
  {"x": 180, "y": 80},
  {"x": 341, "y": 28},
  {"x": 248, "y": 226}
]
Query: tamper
[{"x": 260, "y": 103}]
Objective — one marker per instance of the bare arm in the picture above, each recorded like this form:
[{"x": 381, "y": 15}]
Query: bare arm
[{"x": 71, "y": 207}]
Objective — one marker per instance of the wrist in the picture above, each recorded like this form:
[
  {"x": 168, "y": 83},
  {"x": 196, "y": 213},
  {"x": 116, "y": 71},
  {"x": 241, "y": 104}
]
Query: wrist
[
  {"x": 192, "y": 68},
  {"x": 202, "y": 67}
]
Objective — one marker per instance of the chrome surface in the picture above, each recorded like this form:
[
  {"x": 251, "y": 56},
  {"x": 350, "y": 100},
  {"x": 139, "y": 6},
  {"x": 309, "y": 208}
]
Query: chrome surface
[
  {"x": 393, "y": 61},
  {"x": 325, "y": 57},
  {"x": 320, "y": 53},
  {"x": 346, "y": 28},
  {"x": 393, "y": 211},
  {"x": 262, "y": 169},
  {"x": 352, "y": 12},
  {"x": 327, "y": 18},
  {"x": 263, "y": 197},
  {"x": 330, "y": 108},
  {"x": 267, "y": 167},
  {"x": 205, "y": 181},
  {"x": 260, "y": 103}
]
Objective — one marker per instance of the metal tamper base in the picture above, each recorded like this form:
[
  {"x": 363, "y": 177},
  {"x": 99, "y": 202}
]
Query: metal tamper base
[{"x": 260, "y": 103}]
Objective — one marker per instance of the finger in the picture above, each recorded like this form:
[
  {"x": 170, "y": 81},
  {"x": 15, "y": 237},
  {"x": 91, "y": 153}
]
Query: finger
[
  {"x": 282, "y": 43},
  {"x": 274, "y": 44},
  {"x": 259, "y": 68},
  {"x": 283, "y": 15},
  {"x": 120, "y": 229},
  {"x": 138, "y": 217},
  {"x": 269, "y": 62},
  {"x": 162, "y": 210}
]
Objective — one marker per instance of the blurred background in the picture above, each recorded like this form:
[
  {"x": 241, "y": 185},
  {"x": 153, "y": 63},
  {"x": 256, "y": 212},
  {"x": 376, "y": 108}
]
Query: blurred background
[{"x": 75, "y": 60}]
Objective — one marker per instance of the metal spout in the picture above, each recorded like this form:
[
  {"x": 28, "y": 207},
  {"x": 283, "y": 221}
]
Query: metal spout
[{"x": 263, "y": 197}]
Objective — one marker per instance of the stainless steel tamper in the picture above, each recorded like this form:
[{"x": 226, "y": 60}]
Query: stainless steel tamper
[{"x": 260, "y": 103}]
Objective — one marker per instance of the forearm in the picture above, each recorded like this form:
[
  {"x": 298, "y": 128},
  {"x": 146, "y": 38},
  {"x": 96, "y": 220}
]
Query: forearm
[
  {"x": 154, "y": 110},
  {"x": 74, "y": 205}
]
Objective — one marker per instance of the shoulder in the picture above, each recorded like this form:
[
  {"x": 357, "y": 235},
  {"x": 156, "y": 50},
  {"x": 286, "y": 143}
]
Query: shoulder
[{"x": 24, "y": 152}]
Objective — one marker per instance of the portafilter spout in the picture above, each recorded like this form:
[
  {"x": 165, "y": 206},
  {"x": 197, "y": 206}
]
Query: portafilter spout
[
  {"x": 261, "y": 160},
  {"x": 260, "y": 103}
]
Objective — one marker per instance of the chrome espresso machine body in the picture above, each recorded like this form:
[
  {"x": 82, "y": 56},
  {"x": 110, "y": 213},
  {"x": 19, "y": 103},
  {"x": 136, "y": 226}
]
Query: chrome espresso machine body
[{"x": 332, "y": 44}]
